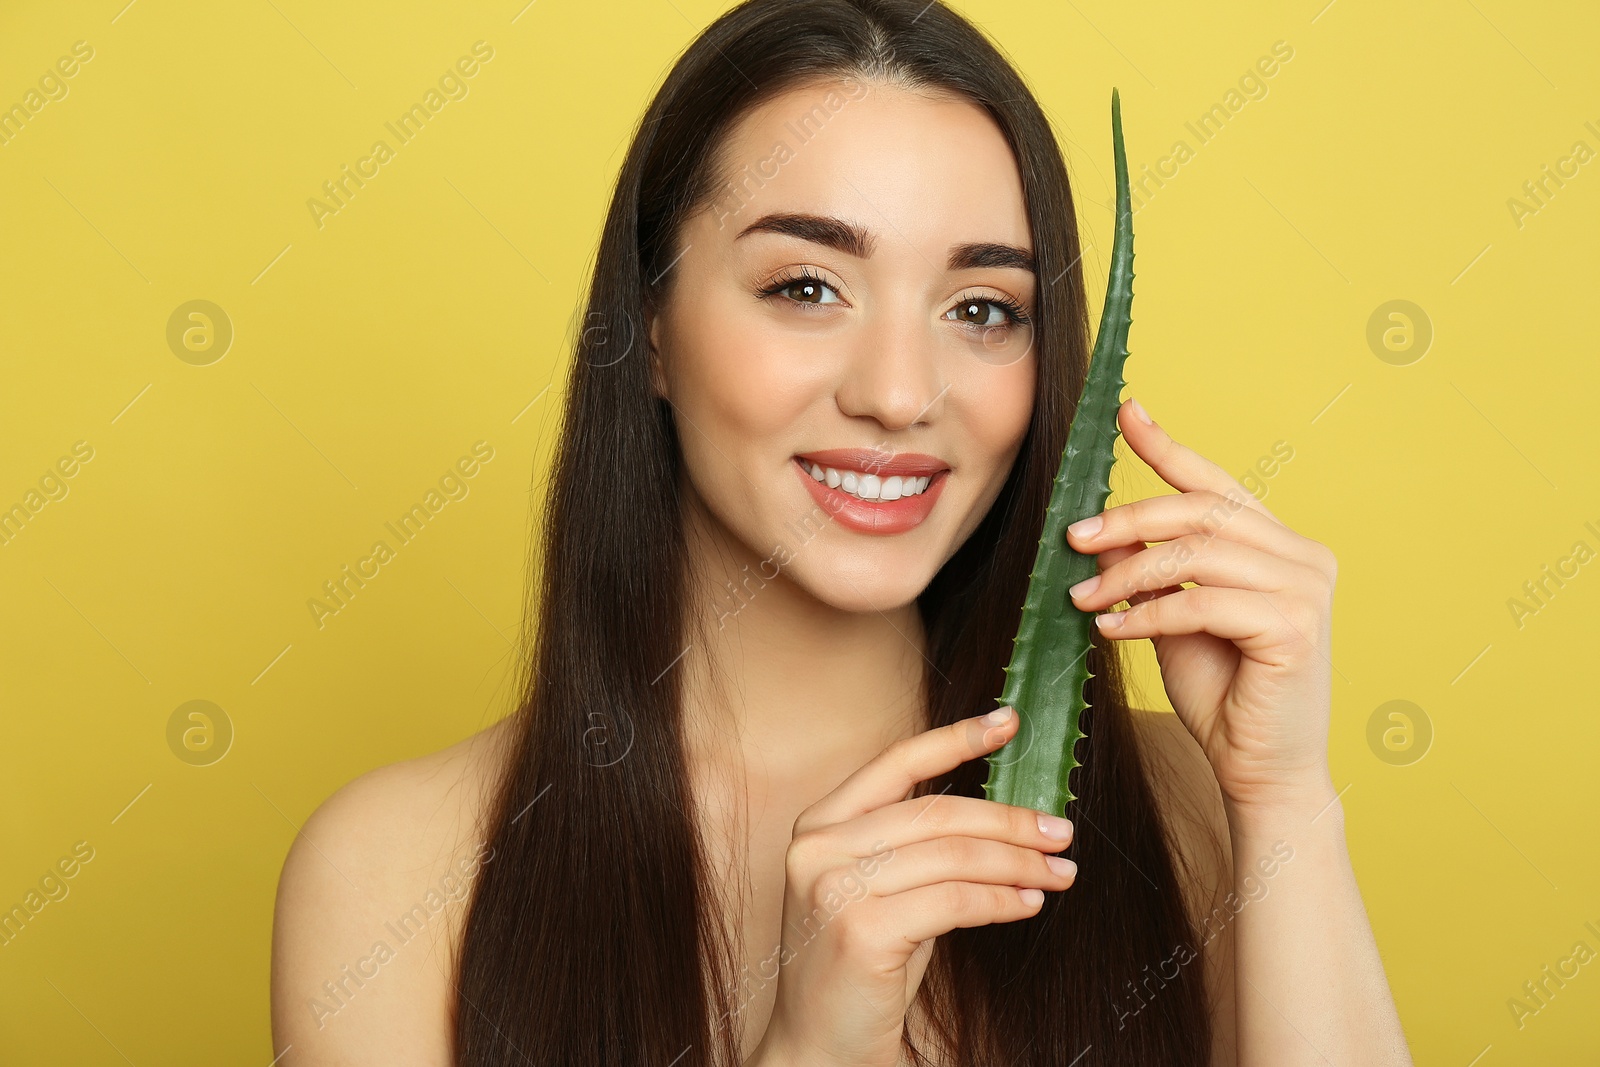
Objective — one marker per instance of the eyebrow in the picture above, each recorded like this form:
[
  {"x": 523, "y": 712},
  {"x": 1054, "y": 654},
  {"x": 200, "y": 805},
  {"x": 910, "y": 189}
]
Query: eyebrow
[{"x": 855, "y": 240}]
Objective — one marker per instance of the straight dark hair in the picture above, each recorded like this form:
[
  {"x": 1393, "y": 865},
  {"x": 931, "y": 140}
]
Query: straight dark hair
[{"x": 596, "y": 937}]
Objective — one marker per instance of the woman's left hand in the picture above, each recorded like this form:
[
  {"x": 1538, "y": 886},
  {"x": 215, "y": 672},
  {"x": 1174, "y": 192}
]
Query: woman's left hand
[{"x": 1244, "y": 654}]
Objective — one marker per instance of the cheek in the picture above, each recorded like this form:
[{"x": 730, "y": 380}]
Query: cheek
[
  {"x": 741, "y": 390},
  {"x": 997, "y": 407},
  {"x": 744, "y": 385},
  {"x": 1000, "y": 405}
]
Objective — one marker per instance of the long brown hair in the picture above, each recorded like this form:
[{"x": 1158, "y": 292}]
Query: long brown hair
[{"x": 595, "y": 937}]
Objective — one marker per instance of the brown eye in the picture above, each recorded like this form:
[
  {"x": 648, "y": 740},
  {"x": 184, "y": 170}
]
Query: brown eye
[
  {"x": 805, "y": 288},
  {"x": 805, "y": 292},
  {"x": 979, "y": 313}
]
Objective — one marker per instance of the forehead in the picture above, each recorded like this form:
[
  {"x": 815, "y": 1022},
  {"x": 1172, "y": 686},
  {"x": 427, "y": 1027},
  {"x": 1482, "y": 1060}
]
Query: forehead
[{"x": 932, "y": 169}]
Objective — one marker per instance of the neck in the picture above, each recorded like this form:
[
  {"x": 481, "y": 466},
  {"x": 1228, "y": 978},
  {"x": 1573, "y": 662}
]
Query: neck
[{"x": 780, "y": 682}]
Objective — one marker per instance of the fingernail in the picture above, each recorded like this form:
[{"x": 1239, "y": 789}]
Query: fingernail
[
  {"x": 1085, "y": 587},
  {"x": 1086, "y": 527},
  {"x": 1031, "y": 896},
  {"x": 1138, "y": 409},
  {"x": 1061, "y": 865},
  {"x": 1054, "y": 826},
  {"x": 998, "y": 717},
  {"x": 1111, "y": 620}
]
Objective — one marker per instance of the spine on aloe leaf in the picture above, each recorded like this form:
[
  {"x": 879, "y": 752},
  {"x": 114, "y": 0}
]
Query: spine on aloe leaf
[{"x": 1049, "y": 663}]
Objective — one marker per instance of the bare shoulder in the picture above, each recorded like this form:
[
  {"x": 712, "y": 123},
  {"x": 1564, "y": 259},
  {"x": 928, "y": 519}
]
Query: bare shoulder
[
  {"x": 370, "y": 905},
  {"x": 1196, "y": 824}
]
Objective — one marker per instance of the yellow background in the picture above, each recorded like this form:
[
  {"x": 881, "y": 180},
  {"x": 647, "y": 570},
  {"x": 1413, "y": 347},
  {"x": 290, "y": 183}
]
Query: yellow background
[{"x": 436, "y": 309}]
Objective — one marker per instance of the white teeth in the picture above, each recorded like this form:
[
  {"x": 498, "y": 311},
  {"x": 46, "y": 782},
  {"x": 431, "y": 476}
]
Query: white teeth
[{"x": 869, "y": 486}]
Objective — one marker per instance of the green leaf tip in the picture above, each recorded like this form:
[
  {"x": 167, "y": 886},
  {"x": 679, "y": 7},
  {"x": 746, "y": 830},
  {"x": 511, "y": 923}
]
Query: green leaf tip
[{"x": 1049, "y": 661}]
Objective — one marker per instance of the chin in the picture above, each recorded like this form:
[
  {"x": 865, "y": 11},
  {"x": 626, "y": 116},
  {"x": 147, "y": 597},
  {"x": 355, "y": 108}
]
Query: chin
[{"x": 860, "y": 582}]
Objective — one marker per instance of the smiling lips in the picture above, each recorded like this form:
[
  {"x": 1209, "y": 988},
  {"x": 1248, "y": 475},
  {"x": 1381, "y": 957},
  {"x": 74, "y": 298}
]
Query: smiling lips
[{"x": 873, "y": 492}]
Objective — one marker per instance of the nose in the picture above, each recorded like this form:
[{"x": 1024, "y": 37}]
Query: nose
[{"x": 893, "y": 374}]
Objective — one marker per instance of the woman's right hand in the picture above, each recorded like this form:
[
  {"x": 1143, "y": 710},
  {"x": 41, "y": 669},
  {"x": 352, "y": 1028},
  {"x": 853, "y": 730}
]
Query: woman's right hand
[{"x": 874, "y": 877}]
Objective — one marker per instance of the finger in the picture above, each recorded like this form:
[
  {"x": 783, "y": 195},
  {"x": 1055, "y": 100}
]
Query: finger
[
  {"x": 889, "y": 776},
  {"x": 1191, "y": 558},
  {"x": 1178, "y": 465},
  {"x": 959, "y": 859},
  {"x": 1116, "y": 554},
  {"x": 1251, "y": 620},
  {"x": 932, "y": 910},
  {"x": 1141, "y": 597},
  {"x": 885, "y": 830},
  {"x": 1172, "y": 515},
  {"x": 1112, "y": 556}
]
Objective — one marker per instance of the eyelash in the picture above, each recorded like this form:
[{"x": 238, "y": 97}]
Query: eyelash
[{"x": 1015, "y": 312}]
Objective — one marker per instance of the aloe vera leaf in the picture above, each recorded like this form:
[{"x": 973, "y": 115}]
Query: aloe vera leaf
[{"x": 1049, "y": 664}]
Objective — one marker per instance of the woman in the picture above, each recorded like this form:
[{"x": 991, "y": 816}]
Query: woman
[{"x": 835, "y": 332}]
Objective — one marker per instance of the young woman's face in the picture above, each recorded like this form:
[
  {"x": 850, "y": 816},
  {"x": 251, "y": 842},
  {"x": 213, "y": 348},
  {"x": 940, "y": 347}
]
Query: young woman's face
[{"x": 857, "y": 302}]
